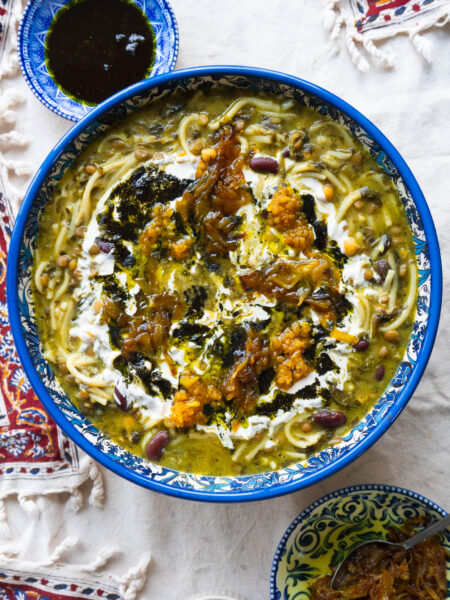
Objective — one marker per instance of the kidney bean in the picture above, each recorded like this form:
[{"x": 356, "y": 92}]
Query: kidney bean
[
  {"x": 264, "y": 164},
  {"x": 361, "y": 345},
  {"x": 157, "y": 444},
  {"x": 379, "y": 373},
  {"x": 330, "y": 418},
  {"x": 104, "y": 246},
  {"x": 121, "y": 399},
  {"x": 382, "y": 269},
  {"x": 286, "y": 153}
]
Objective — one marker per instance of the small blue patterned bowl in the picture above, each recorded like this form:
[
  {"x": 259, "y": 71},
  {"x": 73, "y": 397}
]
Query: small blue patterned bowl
[
  {"x": 36, "y": 19},
  {"x": 321, "y": 536},
  {"x": 187, "y": 485}
]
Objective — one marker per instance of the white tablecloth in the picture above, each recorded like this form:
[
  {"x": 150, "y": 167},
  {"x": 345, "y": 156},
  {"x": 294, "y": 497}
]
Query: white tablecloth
[{"x": 198, "y": 546}]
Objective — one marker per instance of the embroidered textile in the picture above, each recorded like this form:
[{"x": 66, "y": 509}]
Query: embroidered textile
[{"x": 366, "y": 21}]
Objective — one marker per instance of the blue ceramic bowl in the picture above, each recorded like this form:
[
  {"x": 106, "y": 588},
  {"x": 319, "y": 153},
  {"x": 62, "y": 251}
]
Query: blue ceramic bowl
[
  {"x": 321, "y": 536},
  {"x": 33, "y": 28},
  {"x": 185, "y": 485}
]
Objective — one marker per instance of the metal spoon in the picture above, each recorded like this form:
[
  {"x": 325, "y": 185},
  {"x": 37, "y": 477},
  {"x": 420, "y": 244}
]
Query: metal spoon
[{"x": 405, "y": 545}]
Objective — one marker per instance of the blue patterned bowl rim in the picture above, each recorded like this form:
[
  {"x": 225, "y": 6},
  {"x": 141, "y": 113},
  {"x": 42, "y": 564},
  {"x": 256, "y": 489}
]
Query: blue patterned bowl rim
[
  {"x": 342, "y": 492},
  {"x": 250, "y": 487},
  {"x": 68, "y": 107}
]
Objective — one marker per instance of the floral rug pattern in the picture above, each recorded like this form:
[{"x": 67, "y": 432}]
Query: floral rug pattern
[
  {"x": 375, "y": 14},
  {"x": 31, "y": 445}
]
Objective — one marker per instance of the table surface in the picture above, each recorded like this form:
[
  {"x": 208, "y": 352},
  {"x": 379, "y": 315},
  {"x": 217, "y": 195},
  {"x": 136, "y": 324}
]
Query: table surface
[{"x": 197, "y": 547}]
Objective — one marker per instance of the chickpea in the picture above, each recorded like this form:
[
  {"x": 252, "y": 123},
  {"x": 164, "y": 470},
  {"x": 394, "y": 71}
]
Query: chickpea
[
  {"x": 141, "y": 153},
  {"x": 306, "y": 427},
  {"x": 94, "y": 250},
  {"x": 90, "y": 168},
  {"x": 359, "y": 204},
  {"x": 80, "y": 231},
  {"x": 391, "y": 335},
  {"x": 351, "y": 246},
  {"x": 196, "y": 147},
  {"x": 372, "y": 208},
  {"x": 97, "y": 306},
  {"x": 73, "y": 264},
  {"x": 62, "y": 261},
  {"x": 368, "y": 274},
  {"x": 383, "y": 352},
  {"x": 356, "y": 158},
  {"x": 328, "y": 192},
  {"x": 84, "y": 394},
  {"x": 44, "y": 280},
  {"x": 384, "y": 300},
  {"x": 118, "y": 144},
  {"x": 209, "y": 154},
  {"x": 239, "y": 125},
  {"x": 203, "y": 119}
]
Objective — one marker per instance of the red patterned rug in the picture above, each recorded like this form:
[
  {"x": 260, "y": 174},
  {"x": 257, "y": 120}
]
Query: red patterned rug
[
  {"x": 35, "y": 457},
  {"x": 367, "y": 21}
]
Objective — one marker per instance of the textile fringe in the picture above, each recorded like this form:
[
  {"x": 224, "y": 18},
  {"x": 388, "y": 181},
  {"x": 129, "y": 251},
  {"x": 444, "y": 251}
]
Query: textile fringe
[
  {"x": 9, "y": 550},
  {"x": 60, "y": 550},
  {"x": 5, "y": 531},
  {"x": 104, "y": 556},
  {"x": 28, "y": 505},
  {"x": 9, "y": 100},
  {"x": 75, "y": 502},
  {"x": 132, "y": 582},
  {"x": 11, "y": 140},
  {"x": 129, "y": 585},
  {"x": 336, "y": 17},
  {"x": 10, "y": 64},
  {"x": 97, "y": 495}
]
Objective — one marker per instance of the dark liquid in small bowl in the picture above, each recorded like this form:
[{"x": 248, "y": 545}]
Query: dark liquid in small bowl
[{"x": 94, "y": 48}]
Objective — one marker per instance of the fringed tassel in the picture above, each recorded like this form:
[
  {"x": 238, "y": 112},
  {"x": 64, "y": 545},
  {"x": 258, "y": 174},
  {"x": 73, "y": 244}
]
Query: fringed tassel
[
  {"x": 28, "y": 505},
  {"x": 59, "y": 551},
  {"x": 75, "y": 501},
  {"x": 9, "y": 550},
  {"x": 104, "y": 556},
  {"x": 422, "y": 45},
  {"x": 335, "y": 18},
  {"x": 9, "y": 101},
  {"x": 357, "y": 58},
  {"x": 133, "y": 581},
  {"x": 10, "y": 64},
  {"x": 97, "y": 495},
  {"x": 331, "y": 13},
  {"x": 5, "y": 531},
  {"x": 385, "y": 60}
]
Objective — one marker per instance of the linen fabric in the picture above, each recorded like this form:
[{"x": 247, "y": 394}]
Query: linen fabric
[{"x": 198, "y": 547}]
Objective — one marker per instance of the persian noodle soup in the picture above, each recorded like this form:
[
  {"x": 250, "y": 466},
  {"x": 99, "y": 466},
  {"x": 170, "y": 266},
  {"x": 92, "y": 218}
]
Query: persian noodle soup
[{"x": 225, "y": 283}]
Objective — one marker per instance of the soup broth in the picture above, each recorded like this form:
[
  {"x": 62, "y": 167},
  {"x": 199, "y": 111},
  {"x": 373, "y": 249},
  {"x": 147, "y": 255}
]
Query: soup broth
[{"x": 225, "y": 283}]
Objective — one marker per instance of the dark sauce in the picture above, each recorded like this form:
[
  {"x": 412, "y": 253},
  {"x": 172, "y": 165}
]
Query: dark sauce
[{"x": 94, "y": 48}]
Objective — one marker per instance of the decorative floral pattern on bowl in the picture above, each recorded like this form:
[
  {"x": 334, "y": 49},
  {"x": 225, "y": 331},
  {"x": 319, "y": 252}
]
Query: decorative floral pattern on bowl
[
  {"x": 33, "y": 29},
  {"x": 321, "y": 536},
  {"x": 233, "y": 488}
]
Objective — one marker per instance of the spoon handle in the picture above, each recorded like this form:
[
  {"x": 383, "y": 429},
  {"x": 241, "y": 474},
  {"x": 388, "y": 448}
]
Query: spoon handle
[{"x": 426, "y": 533}]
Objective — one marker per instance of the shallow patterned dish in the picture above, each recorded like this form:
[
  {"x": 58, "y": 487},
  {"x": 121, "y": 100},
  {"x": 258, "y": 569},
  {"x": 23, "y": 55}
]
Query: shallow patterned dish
[
  {"x": 36, "y": 19},
  {"x": 237, "y": 488},
  {"x": 335, "y": 524}
]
